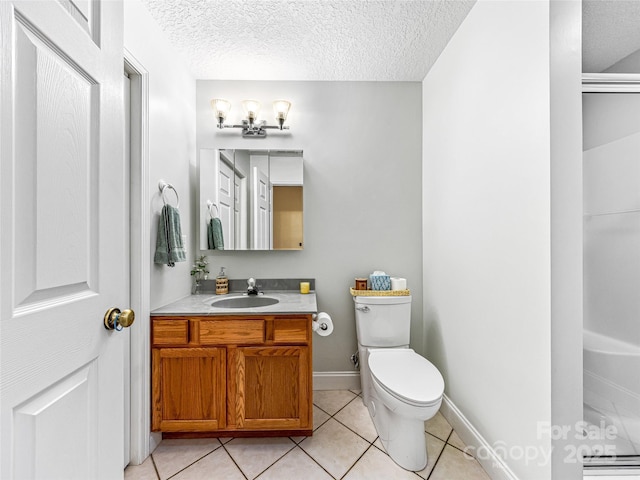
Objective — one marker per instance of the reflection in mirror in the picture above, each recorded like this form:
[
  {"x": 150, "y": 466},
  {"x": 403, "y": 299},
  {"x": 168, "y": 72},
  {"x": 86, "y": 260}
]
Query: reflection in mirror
[{"x": 251, "y": 200}]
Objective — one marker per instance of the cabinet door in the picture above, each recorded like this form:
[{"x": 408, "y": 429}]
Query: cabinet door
[
  {"x": 189, "y": 389},
  {"x": 272, "y": 387}
]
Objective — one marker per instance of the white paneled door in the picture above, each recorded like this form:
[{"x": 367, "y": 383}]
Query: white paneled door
[
  {"x": 260, "y": 209},
  {"x": 225, "y": 202},
  {"x": 63, "y": 240}
]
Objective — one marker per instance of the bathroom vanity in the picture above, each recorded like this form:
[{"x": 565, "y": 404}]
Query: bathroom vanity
[{"x": 224, "y": 372}]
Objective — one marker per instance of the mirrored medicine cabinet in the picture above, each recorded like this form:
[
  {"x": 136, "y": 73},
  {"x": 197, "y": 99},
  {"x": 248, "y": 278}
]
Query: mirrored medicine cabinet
[{"x": 254, "y": 198}]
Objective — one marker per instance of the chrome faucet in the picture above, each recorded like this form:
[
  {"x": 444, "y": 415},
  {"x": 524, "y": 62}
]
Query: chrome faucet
[{"x": 252, "y": 289}]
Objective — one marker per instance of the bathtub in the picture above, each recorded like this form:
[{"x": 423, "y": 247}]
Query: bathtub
[
  {"x": 613, "y": 360},
  {"x": 612, "y": 386}
]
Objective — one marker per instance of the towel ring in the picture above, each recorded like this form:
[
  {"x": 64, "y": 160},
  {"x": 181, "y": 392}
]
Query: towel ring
[
  {"x": 162, "y": 185},
  {"x": 210, "y": 204}
]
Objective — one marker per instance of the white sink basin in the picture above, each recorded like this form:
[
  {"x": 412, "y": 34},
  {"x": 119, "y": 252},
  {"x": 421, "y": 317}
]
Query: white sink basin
[{"x": 244, "y": 302}]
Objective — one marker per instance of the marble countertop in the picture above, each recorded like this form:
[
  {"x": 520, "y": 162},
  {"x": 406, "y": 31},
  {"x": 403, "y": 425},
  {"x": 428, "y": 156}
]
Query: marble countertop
[{"x": 200, "y": 304}]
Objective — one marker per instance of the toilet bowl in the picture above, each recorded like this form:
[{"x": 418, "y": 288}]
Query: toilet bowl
[{"x": 407, "y": 390}]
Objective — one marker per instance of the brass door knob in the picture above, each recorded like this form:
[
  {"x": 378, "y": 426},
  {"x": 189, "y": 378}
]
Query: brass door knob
[{"x": 115, "y": 319}]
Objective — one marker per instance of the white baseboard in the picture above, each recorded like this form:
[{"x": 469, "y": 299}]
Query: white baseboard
[
  {"x": 336, "y": 380},
  {"x": 491, "y": 462}
]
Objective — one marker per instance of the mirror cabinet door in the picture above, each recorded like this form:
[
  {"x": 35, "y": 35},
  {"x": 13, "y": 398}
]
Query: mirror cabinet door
[{"x": 251, "y": 199}]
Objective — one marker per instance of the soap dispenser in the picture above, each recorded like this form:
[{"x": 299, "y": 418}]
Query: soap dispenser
[{"x": 222, "y": 283}]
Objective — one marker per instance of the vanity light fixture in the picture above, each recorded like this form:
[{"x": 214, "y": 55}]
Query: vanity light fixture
[{"x": 251, "y": 126}]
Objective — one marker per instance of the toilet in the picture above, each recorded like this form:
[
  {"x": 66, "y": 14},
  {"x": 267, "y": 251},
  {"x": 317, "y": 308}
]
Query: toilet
[{"x": 400, "y": 388}]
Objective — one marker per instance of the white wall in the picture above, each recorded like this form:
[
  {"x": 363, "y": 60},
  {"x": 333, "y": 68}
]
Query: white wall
[
  {"x": 629, "y": 64},
  {"x": 171, "y": 140},
  {"x": 362, "y": 184},
  {"x": 487, "y": 224}
]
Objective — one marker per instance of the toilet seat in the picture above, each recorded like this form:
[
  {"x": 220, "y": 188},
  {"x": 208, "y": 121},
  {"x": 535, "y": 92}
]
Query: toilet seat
[{"x": 406, "y": 375}]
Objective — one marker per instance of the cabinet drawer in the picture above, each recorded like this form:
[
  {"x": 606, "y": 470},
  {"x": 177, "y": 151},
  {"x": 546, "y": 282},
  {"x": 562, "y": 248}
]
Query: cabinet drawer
[
  {"x": 170, "y": 332},
  {"x": 231, "y": 332},
  {"x": 289, "y": 331}
]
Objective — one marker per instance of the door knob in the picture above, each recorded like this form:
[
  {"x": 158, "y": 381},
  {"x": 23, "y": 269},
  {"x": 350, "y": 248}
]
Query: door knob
[{"x": 115, "y": 319}]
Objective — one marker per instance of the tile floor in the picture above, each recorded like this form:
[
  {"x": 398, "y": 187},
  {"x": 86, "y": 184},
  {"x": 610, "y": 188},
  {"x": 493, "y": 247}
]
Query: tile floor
[{"x": 344, "y": 445}]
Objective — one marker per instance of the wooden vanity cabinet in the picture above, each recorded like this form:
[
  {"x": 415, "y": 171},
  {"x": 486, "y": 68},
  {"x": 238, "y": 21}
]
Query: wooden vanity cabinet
[{"x": 232, "y": 375}]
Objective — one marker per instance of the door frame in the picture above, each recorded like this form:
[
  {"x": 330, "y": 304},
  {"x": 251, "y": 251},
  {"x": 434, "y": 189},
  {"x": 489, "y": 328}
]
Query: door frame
[{"x": 142, "y": 442}]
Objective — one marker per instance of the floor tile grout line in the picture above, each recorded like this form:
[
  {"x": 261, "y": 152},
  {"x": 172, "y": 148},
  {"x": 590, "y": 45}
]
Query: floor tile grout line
[
  {"x": 435, "y": 464},
  {"x": 347, "y": 426},
  {"x": 317, "y": 427},
  {"x": 353, "y": 431},
  {"x": 439, "y": 438},
  {"x": 193, "y": 463},
  {"x": 279, "y": 458},
  {"x": 315, "y": 461},
  {"x": 357, "y": 460},
  {"x": 234, "y": 461},
  {"x": 153, "y": 462},
  {"x": 340, "y": 409}
]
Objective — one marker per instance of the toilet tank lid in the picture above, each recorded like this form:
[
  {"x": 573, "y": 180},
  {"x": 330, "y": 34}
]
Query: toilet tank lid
[
  {"x": 406, "y": 374},
  {"x": 382, "y": 299}
]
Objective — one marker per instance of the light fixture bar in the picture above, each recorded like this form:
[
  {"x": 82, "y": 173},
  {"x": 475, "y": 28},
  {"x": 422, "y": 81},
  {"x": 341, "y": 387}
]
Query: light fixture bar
[{"x": 252, "y": 127}]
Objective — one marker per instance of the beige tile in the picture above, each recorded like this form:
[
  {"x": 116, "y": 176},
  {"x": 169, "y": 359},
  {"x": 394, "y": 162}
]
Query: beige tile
[
  {"x": 144, "y": 471},
  {"x": 376, "y": 464},
  {"x": 455, "y": 464},
  {"x": 173, "y": 455},
  {"x": 356, "y": 416},
  {"x": 332, "y": 400},
  {"x": 378, "y": 443},
  {"x": 455, "y": 440},
  {"x": 295, "y": 464},
  {"x": 254, "y": 455},
  {"x": 434, "y": 448},
  {"x": 215, "y": 465},
  {"x": 438, "y": 426},
  {"x": 335, "y": 447}
]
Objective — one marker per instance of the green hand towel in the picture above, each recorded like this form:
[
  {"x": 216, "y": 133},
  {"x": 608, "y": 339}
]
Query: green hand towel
[
  {"x": 169, "y": 248},
  {"x": 216, "y": 237},
  {"x": 210, "y": 244}
]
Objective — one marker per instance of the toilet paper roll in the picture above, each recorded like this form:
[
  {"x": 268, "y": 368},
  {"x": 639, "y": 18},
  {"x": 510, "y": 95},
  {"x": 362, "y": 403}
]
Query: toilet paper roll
[
  {"x": 398, "y": 283},
  {"x": 322, "y": 324}
]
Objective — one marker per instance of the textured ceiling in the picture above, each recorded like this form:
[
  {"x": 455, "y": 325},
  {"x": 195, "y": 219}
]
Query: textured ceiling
[
  {"x": 365, "y": 40},
  {"x": 377, "y": 40},
  {"x": 610, "y": 32}
]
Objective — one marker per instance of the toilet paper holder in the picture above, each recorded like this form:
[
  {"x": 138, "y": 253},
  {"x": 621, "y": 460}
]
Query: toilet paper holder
[{"x": 321, "y": 326}]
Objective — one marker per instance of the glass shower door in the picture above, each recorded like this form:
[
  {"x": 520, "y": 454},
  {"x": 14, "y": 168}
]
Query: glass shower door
[{"x": 611, "y": 175}]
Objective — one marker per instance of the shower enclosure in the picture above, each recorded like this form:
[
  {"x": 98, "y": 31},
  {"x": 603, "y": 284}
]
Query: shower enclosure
[{"x": 611, "y": 174}]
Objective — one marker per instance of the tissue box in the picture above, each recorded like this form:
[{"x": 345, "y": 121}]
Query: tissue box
[{"x": 380, "y": 282}]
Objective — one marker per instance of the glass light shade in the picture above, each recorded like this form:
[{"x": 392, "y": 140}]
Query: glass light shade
[
  {"x": 221, "y": 107},
  {"x": 281, "y": 109},
  {"x": 251, "y": 108}
]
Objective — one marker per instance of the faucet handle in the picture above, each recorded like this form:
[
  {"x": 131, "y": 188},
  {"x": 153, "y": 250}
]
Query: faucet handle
[{"x": 251, "y": 282}]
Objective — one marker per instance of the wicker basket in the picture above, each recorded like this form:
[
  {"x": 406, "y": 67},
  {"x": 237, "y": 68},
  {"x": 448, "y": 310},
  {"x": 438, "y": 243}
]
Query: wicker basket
[{"x": 379, "y": 293}]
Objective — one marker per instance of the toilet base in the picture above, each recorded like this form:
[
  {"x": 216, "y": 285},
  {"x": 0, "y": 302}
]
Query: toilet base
[{"x": 402, "y": 438}]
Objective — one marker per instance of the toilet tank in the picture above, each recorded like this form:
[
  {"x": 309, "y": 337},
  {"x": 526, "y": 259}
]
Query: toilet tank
[{"x": 383, "y": 321}]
